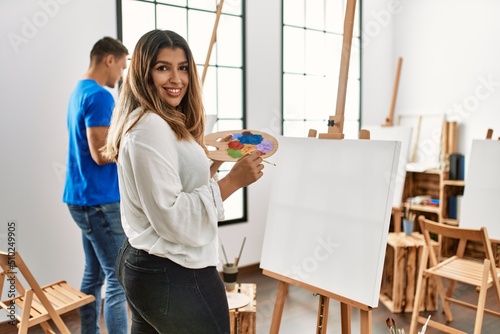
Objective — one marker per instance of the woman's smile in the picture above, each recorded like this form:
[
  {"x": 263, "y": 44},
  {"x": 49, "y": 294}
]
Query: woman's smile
[{"x": 170, "y": 75}]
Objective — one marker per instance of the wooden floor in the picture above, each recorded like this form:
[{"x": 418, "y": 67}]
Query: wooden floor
[{"x": 300, "y": 311}]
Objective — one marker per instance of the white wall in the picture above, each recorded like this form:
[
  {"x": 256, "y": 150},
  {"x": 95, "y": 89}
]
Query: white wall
[
  {"x": 450, "y": 64},
  {"x": 378, "y": 59},
  {"x": 449, "y": 47},
  {"x": 263, "y": 57},
  {"x": 50, "y": 53},
  {"x": 36, "y": 79}
]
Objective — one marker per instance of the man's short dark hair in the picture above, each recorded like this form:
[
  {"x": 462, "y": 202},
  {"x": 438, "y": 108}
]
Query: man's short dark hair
[{"x": 106, "y": 46}]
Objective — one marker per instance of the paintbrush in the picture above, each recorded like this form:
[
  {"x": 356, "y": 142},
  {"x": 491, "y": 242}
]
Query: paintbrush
[
  {"x": 390, "y": 326},
  {"x": 237, "y": 260},
  {"x": 424, "y": 328},
  {"x": 224, "y": 252}
]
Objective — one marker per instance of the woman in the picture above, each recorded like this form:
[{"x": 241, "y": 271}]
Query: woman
[{"x": 170, "y": 202}]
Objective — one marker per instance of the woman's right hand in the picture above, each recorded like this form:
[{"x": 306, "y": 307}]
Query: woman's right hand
[
  {"x": 245, "y": 171},
  {"x": 248, "y": 169}
]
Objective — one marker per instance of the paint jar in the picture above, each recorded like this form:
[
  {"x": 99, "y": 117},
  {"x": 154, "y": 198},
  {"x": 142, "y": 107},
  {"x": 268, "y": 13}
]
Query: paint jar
[
  {"x": 408, "y": 226},
  {"x": 229, "y": 276}
]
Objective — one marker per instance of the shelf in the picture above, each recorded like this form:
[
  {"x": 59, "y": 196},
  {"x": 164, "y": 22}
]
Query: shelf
[
  {"x": 458, "y": 183},
  {"x": 423, "y": 208},
  {"x": 433, "y": 171},
  {"x": 432, "y": 183}
]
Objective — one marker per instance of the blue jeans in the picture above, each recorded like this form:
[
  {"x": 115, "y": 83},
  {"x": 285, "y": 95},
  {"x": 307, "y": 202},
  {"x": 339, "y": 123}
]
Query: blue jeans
[
  {"x": 102, "y": 236},
  {"x": 165, "y": 297}
]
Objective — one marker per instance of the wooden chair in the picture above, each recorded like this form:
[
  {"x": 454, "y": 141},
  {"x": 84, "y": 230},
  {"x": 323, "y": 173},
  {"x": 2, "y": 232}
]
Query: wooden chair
[
  {"x": 36, "y": 305},
  {"x": 481, "y": 274}
]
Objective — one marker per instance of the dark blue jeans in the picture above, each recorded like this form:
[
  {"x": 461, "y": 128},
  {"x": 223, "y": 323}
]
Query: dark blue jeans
[
  {"x": 102, "y": 237},
  {"x": 165, "y": 297}
]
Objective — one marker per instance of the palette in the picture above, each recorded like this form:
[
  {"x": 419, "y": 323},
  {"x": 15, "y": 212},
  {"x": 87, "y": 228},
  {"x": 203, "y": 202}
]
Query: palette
[{"x": 233, "y": 144}]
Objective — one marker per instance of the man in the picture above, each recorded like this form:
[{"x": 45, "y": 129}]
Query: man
[{"x": 91, "y": 189}]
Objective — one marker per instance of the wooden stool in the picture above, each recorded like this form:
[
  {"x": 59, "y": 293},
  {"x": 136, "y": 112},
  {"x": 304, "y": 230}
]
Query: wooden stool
[
  {"x": 399, "y": 278},
  {"x": 243, "y": 320}
]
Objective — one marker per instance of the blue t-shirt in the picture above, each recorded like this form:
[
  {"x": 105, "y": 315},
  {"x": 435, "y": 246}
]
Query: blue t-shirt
[{"x": 87, "y": 183}]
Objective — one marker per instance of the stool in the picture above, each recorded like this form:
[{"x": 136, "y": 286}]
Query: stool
[
  {"x": 243, "y": 320},
  {"x": 399, "y": 278}
]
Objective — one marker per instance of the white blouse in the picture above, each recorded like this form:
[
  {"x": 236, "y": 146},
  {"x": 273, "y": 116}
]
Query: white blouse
[{"x": 169, "y": 204}]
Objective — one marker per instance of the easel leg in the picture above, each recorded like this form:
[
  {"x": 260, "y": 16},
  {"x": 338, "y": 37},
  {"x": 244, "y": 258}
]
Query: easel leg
[
  {"x": 324, "y": 304},
  {"x": 365, "y": 318},
  {"x": 345, "y": 316},
  {"x": 278, "y": 307}
]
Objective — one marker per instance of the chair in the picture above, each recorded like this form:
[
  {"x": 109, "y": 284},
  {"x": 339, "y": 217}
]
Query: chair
[
  {"x": 36, "y": 305},
  {"x": 481, "y": 274}
]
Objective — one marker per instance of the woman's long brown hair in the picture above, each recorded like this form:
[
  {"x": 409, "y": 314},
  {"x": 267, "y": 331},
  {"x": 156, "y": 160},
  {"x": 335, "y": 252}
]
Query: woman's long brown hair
[{"x": 138, "y": 91}]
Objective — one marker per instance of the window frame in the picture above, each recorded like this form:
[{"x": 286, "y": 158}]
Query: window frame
[
  {"x": 214, "y": 65},
  {"x": 323, "y": 121}
]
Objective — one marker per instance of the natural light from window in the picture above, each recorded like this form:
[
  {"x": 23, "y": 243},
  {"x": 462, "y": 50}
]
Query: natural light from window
[
  {"x": 312, "y": 46},
  {"x": 223, "y": 89}
]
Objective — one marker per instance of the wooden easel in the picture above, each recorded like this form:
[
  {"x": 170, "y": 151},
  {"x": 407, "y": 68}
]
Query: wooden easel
[
  {"x": 323, "y": 306},
  {"x": 336, "y": 123},
  {"x": 489, "y": 135},
  {"x": 389, "y": 121},
  {"x": 212, "y": 41},
  {"x": 413, "y": 155},
  {"x": 335, "y": 131},
  {"x": 397, "y": 212}
]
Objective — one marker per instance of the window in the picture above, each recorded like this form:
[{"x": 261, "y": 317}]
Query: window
[
  {"x": 223, "y": 89},
  {"x": 312, "y": 44}
]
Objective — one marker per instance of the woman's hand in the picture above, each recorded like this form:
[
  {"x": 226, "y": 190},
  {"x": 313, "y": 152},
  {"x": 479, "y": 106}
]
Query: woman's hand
[
  {"x": 216, "y": 163},
  {"x": 246, "y": 171}
]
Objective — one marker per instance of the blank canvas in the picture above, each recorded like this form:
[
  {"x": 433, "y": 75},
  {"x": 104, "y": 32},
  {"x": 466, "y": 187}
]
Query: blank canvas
[
  {"x": 426, "y": 141},
  {"x": 329, "y": 214},
  {"x": 402, "y": 134},
  {"x": 482, "y": 188}
]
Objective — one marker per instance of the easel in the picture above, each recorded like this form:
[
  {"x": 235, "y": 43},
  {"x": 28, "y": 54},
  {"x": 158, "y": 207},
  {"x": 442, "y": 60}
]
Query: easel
[
  {"x": 397, "y": 212},
  {"x": 335, "y": 131},
  {"x": 336, "y": 123},
  {"x": 212, "y": 41},
  {"x": 323, "y": 306},
  {"x": 413, "y": 156},
  {"x": 211, "y": 119},
  {"x": 448, "y": 134},
  {"x": 489, "y": 134},
  {"x": 389, "y": 121}
]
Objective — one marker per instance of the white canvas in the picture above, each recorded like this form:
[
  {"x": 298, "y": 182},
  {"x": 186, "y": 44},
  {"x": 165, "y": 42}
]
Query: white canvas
[
  {"x": 401, "y": 134},
  {"x": 482, "y": 188},
  {"x": 329, "y": 214},
  {"x": 426, "y": 141}
]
